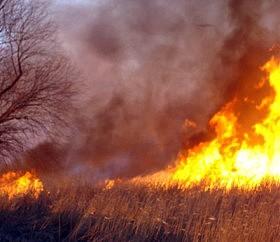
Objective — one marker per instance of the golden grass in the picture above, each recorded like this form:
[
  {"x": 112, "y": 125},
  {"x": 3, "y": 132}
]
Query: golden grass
[{"x": 129, "y": 212}]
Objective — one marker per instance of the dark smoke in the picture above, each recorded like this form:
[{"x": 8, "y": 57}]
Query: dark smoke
[{"x": 149, "y": 65}]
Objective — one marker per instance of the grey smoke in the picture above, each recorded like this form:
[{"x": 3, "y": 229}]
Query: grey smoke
[{"x": 149, "y": 65}]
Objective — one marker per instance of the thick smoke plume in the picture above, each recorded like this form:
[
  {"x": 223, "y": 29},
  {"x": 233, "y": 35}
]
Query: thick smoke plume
[{"x": 150, "y": 65}]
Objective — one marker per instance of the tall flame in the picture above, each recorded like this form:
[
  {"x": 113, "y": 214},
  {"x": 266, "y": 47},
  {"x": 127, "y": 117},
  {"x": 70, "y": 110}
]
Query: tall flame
[
  {"x": 15, "y": 184},
  {"x": 236, "y": 157}
]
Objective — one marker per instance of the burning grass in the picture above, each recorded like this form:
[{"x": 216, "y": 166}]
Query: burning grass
[
  {"x": 129, "y": 212},
  {"x": 242, "y": 153},
  {"x": 225, "y": 189},
  {"x": 16, "y": 184}
]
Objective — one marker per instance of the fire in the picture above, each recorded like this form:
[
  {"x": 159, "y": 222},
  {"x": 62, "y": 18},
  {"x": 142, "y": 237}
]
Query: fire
[
  {"x": 236, "y": 157},
  {"x": 109, "y": 184},
  {"x": 16, "y": 184}
]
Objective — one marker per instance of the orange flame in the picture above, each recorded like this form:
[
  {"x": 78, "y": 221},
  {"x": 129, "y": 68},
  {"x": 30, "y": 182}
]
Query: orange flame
[
  {"x": 109, "y": 184},
  {"x": 235, "y": 157},
  {"x": 16, "y": 184}
]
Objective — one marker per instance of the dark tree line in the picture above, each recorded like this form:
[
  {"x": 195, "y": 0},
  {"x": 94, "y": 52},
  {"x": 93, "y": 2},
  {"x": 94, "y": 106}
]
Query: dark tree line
[{"x": 35, "y": 76}]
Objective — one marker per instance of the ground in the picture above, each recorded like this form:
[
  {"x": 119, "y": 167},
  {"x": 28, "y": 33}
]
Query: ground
[{"x": 129, "y": 212}]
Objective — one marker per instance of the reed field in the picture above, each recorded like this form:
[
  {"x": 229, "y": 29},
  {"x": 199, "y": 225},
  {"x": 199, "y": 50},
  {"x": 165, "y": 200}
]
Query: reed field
[{"x": 129, "y": 212}]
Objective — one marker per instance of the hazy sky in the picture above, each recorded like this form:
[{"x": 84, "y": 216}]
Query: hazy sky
[{"x": 76, "y": 1}]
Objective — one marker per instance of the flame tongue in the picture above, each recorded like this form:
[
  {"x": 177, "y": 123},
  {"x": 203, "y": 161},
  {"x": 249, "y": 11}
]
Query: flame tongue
[
  {"x": 14, "y": 184},
  {"x": 234, "y": 158}
]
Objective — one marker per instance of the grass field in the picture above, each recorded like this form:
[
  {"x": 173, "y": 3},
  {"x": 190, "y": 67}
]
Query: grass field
[{"x": 137, "y": 213}]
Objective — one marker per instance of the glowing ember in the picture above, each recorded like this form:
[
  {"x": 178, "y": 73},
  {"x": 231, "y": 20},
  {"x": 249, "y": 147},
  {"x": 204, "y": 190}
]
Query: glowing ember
[
  {"x": 109, "y": 184},
  {"x": 236, "y": 157},
  {"x": 15, "y": 184}
]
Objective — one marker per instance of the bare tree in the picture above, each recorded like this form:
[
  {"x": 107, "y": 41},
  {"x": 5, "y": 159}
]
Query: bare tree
[{"x": 35, "y": 77}]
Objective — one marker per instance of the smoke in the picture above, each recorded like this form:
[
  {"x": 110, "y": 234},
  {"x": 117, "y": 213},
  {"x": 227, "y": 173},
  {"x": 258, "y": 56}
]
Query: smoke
[{"x": 150, "y": 65}]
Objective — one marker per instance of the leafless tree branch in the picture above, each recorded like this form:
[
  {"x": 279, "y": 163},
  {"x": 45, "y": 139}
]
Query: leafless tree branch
[{"x": 35, "y": 78}]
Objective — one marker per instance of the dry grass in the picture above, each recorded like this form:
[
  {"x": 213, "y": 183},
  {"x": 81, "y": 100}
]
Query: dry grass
[{"x": 137, "y": 213}]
